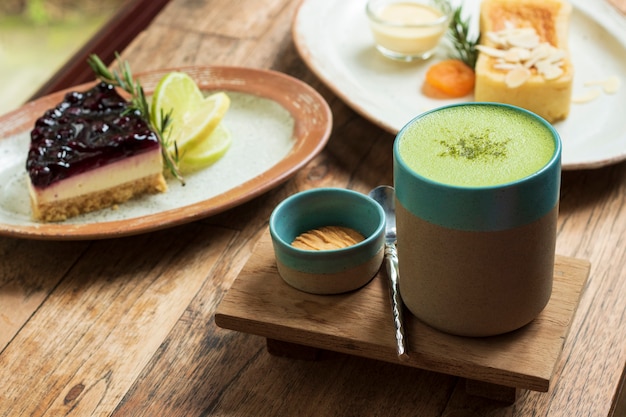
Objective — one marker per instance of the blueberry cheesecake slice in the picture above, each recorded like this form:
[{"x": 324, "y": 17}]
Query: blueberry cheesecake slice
[{"x": 90, "y": 152}]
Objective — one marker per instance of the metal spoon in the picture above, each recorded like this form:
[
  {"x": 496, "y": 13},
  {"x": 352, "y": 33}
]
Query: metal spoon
[{"x": 385, "y": 196}]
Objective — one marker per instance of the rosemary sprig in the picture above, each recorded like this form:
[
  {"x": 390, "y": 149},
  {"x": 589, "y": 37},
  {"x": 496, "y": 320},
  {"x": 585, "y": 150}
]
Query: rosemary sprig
[
  {"x": 138, "y": 102},
  {"x": 459, "y": 34}
]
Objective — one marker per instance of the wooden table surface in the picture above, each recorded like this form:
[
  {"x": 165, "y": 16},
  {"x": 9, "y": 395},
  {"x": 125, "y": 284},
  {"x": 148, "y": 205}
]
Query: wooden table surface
[{"x": 125, "y": 327}]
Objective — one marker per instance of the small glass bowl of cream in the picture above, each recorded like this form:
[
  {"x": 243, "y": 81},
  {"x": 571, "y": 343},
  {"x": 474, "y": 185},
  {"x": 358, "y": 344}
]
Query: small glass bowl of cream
[{"x": 408, "y": 30}]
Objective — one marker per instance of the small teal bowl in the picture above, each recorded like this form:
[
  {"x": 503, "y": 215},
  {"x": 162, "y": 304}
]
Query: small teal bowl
[{"x": 328, "y": 271}]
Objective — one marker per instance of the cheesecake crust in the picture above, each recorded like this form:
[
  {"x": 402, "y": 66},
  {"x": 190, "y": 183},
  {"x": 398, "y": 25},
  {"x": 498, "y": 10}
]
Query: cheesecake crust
[{"x": 59, "y": 210}]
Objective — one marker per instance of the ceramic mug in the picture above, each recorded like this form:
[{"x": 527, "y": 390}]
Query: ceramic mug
[{"x": 477, "y": 191}]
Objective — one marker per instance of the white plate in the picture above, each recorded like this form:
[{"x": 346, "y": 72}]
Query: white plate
[
  {"x": 277, "y": 123},
  {"x": 334, "y": 39}
]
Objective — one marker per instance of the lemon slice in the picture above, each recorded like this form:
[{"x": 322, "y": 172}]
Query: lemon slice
[
  {"x": 194, "y": 116},
  {"x": 208, "y": 151}
]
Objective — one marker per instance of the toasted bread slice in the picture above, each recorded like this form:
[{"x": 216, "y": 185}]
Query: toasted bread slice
[{"x": 546, "y": 95}]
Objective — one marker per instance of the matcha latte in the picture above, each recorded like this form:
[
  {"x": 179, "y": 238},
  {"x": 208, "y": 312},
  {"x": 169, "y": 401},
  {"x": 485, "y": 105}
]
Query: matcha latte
[
  {"x": 477, "y": 190},
  {"x": 476, "y": 146}
]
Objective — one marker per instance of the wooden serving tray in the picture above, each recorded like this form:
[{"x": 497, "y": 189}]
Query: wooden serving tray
[{"x": 360, "y": 323}]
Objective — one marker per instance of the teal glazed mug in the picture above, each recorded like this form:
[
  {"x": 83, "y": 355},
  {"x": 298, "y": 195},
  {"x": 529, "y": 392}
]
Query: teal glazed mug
[{"x": 477, "y": 192}]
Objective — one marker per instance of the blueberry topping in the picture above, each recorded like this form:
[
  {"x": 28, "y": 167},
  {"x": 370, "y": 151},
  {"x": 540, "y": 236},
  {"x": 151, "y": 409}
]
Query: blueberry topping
[{"x": 86, "y": 130}]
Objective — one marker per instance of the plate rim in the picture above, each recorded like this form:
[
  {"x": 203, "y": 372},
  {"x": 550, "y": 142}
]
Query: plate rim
[
  {"x": 593, "y": 10},
  {"x": 307, "y": 144}
]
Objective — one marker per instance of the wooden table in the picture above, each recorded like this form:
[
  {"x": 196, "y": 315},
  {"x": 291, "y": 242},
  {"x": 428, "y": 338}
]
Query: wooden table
[{"x": 125, "y": 327}]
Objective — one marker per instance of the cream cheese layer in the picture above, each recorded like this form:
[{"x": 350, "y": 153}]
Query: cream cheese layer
[{"x": 102, "y": 178}]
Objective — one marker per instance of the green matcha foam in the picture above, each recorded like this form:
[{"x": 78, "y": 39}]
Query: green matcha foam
[
  {"x": 476, "y": 146},
  {"x": 478, "y": 167}
]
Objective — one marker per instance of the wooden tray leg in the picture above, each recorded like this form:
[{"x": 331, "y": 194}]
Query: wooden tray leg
[
  {"x": 491, "y": 391},
  {"x": 291, "y": 350}
]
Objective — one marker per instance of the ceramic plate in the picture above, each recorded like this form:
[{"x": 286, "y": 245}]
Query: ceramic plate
[
  {"x": 278, "y": 124},
  {"x": 334, "y": 39}
]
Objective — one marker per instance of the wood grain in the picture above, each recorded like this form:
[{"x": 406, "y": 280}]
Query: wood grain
[
  {"x": 125, "y": 327},
  {"x": 22, "y": 285},
  {"x": 135, "y": 298}
]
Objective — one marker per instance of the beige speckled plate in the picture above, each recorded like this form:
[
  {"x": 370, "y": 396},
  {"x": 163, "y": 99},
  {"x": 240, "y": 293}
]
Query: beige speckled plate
[{"x": 278, "y": 124}]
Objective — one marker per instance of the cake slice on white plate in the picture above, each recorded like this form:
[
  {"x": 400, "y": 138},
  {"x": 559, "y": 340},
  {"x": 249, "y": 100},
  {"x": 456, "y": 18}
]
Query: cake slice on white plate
[{"x": 524, "y": 58}]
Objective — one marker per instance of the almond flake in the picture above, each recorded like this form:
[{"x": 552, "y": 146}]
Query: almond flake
[
  {"x": 587, "y": 96},
  {"x": 496, "y": 38},
  {"x": 512, "y": 55},
  {"x": 540, "y": 53},
  {"x": 518, "y": 50},
  {"x": 610, "y": 86},
  {"x": 524, "y": 40},
  {"x": 516, "y": 77},
  {"x": 492, "y": 52},
  {"x": 556, "y": 55},
  {"x": 523, "y": 53},
  {"x": 551, "y": 72},
  {"x": 506, "y": 66}
]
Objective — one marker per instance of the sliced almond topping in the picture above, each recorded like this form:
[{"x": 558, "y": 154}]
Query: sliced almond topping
[
  {"x": 492, "y": 52},
  {"x": 587, "y": 96},
  {"x": 516, "y": 77},
  {"x": 551, "y": 72},
  {"x": 524, "y": 40},
  {"x": 556, "y": 56},
  {"x": 539, "y": 53},
  {"x": 496, "y": 38},
  {"x": 610, "y": 86},
  {"x": 505, "y": 66},
  {"x": 522, "y": 53},
  {"x": 512, "y": 55},
  {"x": 542, "y": 65},
  {"x": 519, "y": 50}
]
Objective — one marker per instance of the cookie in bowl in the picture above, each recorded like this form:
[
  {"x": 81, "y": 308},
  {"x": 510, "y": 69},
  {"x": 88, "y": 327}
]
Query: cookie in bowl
[{"x": 328, "y": 240}]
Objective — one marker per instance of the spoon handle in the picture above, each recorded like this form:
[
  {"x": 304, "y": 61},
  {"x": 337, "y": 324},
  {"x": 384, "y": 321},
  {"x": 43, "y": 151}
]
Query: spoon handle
[{"x": 391, "y": 256}]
